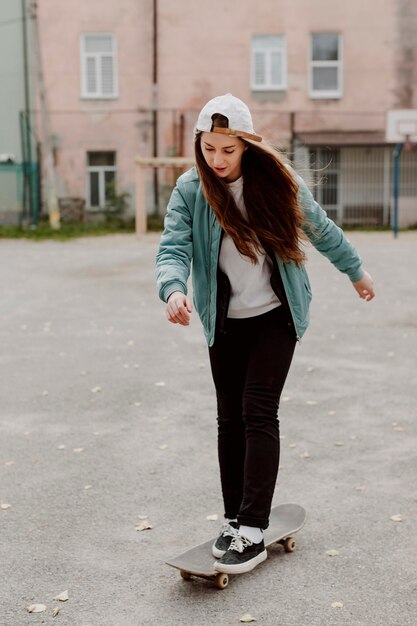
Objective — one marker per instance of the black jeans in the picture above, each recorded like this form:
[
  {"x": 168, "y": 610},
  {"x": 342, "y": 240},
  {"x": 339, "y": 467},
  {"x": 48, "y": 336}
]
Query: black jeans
[{"x": 250, "y": 363}]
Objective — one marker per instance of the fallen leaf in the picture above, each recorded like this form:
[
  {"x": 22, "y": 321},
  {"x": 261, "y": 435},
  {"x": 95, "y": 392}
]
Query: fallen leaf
[
  {"x": 396, "y": 518},
  {"x": 61, "y": 447},
  {"x": 338, "y": 444},
  {"x": 360, "y": 488},
  {"x": 292, "y": 445},
  {"x": 311, "y": 402},
  {"x": 331, "y": 413},
  {"x": 332, "y": 553},
  {"x": 399, "y": 429},
  {"x": 338, "y": 605},
  {"x": 142, "y": 516},
  {"x": 286, "y": 399},
  {"x": 163, "y": 447},
  {"x": 144, "y": 525},
  {"x": 212, "y": 518},
  {"x": 63, "y": 596},
  {"x": 310, "y": 369},
  {"x": 160, "y": 384},
  {"x": 78, "y": 450},
  {"x": 96, "y": 389},
  {"x": 88, "y": 486},
  {"x": 9, "y": 463},
  {"x": 131, "y": 342},
  {"x": 138, "y": 403},
  {"x": 247, "y": 618},
  {"x": 305, "y": 455},
  {"x": 5, "y": 506},
  {"x": 36, "y": 608},
  {"x": 55, "y": 611}
]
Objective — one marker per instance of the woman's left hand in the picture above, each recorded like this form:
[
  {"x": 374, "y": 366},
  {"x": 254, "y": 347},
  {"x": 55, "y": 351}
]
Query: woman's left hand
[{"x": 365, "y": 287}]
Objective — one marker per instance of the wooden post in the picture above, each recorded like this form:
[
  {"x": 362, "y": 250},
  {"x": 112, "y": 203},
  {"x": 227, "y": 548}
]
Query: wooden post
[{"x": 153, "y": 163}]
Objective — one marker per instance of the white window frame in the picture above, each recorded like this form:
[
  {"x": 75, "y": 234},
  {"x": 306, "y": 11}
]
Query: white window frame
[
  {"x": 101, "y": 170},
  {"x": 329, "y": 93},
  {"x": 281, "y": 48},
  {"x": 98, "y": 95}
]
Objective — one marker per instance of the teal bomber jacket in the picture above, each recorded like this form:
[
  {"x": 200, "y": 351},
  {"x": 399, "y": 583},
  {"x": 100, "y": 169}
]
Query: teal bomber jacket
[{"x": 192, "y": 236}]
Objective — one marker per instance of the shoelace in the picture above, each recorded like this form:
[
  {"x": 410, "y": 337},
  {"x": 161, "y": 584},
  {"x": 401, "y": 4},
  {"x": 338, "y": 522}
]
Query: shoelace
[
  {"x": 239, "y": 543},
  {"x": 228, "y": 531}
]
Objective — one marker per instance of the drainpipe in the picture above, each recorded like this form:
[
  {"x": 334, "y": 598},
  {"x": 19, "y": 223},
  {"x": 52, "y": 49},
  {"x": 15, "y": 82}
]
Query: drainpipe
[
  {"x": 155, "y": 104},
  {"x": 25, "y": 122}
]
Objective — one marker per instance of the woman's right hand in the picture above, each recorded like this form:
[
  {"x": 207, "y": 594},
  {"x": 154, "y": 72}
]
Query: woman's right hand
[{"x": 179, "y": 308}]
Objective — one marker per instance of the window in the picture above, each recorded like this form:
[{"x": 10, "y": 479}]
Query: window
[
  {"x": 326, "y": 65},
  {"x": 269, "y": 63},
  {"x": 98, "y": 66},
  {"x": 101, "y": 178}
]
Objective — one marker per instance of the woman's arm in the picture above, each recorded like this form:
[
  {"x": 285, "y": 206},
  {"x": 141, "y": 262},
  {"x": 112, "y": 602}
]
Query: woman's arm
[
  {"x": 331, "y": 241},
  {"x": 173, "y": 260}
]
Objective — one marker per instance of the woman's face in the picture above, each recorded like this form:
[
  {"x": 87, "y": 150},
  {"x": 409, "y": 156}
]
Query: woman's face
[{"x": 223, "y": 154}]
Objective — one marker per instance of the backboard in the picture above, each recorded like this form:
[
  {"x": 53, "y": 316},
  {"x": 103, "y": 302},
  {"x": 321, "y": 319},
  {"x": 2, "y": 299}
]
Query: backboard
[{"x": 401, "y": 126}]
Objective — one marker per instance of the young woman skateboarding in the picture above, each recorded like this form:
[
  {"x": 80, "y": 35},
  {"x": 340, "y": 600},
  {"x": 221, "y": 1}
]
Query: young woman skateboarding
[{"x": 241, "y": 217}]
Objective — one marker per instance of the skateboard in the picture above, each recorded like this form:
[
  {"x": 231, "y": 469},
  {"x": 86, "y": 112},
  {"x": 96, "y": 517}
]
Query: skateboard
[{"x": 284, "y": 521}]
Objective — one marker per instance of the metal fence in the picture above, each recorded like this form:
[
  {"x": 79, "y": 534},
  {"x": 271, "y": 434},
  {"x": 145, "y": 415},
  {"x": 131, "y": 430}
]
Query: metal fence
[{"x": 14, "y": 206}]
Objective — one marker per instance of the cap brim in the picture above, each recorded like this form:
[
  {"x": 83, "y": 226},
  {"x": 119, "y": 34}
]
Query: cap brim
[{"x": 237, "y": 133}]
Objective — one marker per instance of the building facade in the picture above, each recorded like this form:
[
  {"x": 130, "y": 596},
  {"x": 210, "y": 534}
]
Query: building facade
[{"x": 128, "y": 78}]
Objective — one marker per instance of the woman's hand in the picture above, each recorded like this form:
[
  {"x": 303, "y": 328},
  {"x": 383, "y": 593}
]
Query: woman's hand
[
  {"x": 179, "y": 308},
  {"x": 365, "y": 287}
]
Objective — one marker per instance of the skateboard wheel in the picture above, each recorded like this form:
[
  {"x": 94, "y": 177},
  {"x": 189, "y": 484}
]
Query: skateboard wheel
[
  {"x": 222, "y": 580},
  {"x": 289, "y": 544},
  {"x": 185, "y": 575}
]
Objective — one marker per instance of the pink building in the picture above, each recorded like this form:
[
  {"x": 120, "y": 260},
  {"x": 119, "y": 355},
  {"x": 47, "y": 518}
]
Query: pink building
[{"x": 319, "y": 78}]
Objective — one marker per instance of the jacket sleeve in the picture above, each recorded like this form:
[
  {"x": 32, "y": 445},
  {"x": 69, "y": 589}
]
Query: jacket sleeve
[
  {"x": 173, "y": 260},
  {"x": 327, "y": 237}
]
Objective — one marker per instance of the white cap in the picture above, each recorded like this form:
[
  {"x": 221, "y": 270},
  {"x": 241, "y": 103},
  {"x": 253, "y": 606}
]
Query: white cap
[{"x": 237, "y": 113}]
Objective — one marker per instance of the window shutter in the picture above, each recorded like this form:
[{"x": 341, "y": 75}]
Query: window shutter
[
  {"x": 91, "y": 75},
  {"x": 260, "y": 68},
  {"x": 107, "y": 79},
  {"x": 276, "y": 68}
]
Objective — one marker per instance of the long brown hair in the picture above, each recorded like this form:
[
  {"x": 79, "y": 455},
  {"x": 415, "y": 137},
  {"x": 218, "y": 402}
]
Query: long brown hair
[{"x": 270, "y": 196}]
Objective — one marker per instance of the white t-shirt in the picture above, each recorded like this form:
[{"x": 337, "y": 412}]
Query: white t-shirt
[{"x": 251, "y": 291}]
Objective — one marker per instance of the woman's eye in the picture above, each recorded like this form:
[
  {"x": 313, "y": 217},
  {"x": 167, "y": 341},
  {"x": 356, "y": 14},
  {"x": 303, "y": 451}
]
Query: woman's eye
[
  {"x": 229, "y": 151},
  {"x": 208, "y": 149}
]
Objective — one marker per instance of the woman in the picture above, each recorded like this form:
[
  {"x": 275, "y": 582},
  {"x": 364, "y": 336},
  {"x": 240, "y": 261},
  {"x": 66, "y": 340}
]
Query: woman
[{"x": 241, "y": 217}]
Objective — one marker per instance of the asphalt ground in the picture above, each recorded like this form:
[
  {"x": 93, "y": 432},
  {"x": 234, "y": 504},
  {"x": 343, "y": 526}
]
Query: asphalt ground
[{"x": 108, "y": 414}]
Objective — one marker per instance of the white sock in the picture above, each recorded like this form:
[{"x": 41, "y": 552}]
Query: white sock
[
  {"x": 253, "y": 534},
  {"x": 231, "y": 520}
]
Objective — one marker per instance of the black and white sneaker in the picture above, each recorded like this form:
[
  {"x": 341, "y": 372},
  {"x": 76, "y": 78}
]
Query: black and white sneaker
[
  {"x": 241, "y": 557},
  {"x": 228, "y": 532}
]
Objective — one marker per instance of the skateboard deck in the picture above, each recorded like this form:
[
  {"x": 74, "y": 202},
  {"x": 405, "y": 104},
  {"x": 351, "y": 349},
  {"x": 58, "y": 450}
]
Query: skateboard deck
[{"x": 284, "y": 521}]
